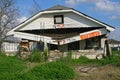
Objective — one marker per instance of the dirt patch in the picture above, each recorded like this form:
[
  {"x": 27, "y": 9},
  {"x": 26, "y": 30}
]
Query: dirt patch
[
  {"x": 107, "y": 72},
  {"x": 86, "y": 70}
]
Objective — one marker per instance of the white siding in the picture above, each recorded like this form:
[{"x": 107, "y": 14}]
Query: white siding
[
  {"x": 46, "y": 21},
  {"x": 74, "y": 20},
  {"x": 43, "y": 22},
  {"x": 10, "y": 47}
]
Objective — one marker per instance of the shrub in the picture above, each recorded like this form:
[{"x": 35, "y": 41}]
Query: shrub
[
  {"x": 36, "y": 56},
  {"x": 52, "y": 71}
]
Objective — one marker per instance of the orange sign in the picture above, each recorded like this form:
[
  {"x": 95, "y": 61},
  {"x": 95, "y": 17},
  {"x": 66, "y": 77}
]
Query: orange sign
[{"x": 90, "y": 35}]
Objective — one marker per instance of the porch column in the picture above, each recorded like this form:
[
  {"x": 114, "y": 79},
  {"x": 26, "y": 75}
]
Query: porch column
[
  {"x": 103, "y": 46},
  {"x": 45, "y": 45},
  {"x": 103, "y": 42}
]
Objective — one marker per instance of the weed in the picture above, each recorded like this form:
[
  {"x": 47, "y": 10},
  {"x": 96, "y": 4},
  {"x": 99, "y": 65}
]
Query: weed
[
  {"x": 36, "y": 56},
  {"x": 46, "y": 55}
]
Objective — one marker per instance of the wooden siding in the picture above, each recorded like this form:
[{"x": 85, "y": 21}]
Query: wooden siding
[{"x": 71, "y": 20}]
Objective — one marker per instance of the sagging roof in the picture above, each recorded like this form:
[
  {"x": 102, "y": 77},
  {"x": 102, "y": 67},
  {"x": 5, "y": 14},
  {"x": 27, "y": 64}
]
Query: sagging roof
[{"x": 59, "y": 8}]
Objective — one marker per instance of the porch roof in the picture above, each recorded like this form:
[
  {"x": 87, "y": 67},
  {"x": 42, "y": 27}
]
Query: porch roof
[{"x": 60, "y": 33}]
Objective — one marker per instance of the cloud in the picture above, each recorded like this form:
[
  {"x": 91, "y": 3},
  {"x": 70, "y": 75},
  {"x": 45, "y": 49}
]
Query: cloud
[
  {"x": 113, "y": 17},
  {"x": 75, "y": 2},
  {"x": 21, "y": 19},
  {"x": 70, "y": 2},
  {"x": 106, "y": 6}
]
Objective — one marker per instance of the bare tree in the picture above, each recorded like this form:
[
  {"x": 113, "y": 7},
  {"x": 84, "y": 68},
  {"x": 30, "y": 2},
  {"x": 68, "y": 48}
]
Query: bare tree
[{"x": 8, "y": 13}]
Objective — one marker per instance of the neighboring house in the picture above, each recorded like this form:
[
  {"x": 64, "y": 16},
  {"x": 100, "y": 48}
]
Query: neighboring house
[
  {"x": 64, "y": 29},
  {"x": 10, "y": 44},
  {"x": 114, "y": 44},
  {"x": 10, "y": 47}
]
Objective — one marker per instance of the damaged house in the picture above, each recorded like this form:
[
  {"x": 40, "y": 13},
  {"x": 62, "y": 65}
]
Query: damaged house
[{"x": 63, "y": 28}]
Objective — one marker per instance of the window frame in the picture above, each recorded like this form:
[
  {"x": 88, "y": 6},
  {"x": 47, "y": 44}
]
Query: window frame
[{"x": 59, "y": 16}]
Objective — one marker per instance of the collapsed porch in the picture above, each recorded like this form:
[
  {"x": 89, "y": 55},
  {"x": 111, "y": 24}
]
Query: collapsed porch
[
  {"x": 70, "y": 37},
  {"x": 66, "y": 39}
]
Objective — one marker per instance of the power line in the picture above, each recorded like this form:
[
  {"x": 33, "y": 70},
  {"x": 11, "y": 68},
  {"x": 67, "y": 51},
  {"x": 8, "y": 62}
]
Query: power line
[{"x": 37, "y": 4}]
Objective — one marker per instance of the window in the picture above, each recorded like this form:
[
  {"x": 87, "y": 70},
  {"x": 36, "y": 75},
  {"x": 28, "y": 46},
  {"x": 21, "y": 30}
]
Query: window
[{"x": 58, "y": 19}]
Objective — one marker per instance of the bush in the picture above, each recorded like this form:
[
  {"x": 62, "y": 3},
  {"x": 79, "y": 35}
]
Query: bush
[
  {"x": 36, "y": 56},
  {"x": 51, "y": 71}
]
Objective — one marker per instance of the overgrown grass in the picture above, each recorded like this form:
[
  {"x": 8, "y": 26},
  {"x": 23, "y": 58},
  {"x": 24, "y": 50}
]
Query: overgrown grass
[
  {"x": 51, "y": 71},
  {"x": 36, "y": 56},
  {"x": 114, "y": 59},
  {"x": 10, "y": 67},
  {"x": 46, "y": 54}
]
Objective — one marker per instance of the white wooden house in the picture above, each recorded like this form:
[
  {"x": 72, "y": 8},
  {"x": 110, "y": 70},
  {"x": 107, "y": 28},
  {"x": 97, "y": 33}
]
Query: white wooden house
[
  {"x": 114, "y": 44},
  {"x": 10, "y": 47},
  {"x": 64, "y": 29}
]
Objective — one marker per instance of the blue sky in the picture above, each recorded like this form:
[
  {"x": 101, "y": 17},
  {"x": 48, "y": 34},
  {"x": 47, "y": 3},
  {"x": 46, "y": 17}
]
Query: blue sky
[{"x": 107, "y": 11}]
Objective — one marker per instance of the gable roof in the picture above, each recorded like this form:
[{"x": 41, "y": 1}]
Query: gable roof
[
  {"x": 113, "y": 41},
  {"x": 59, "y": 8}
]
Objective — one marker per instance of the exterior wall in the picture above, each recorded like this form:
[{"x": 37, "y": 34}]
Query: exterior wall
[{"x": 46, "y": 21}]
